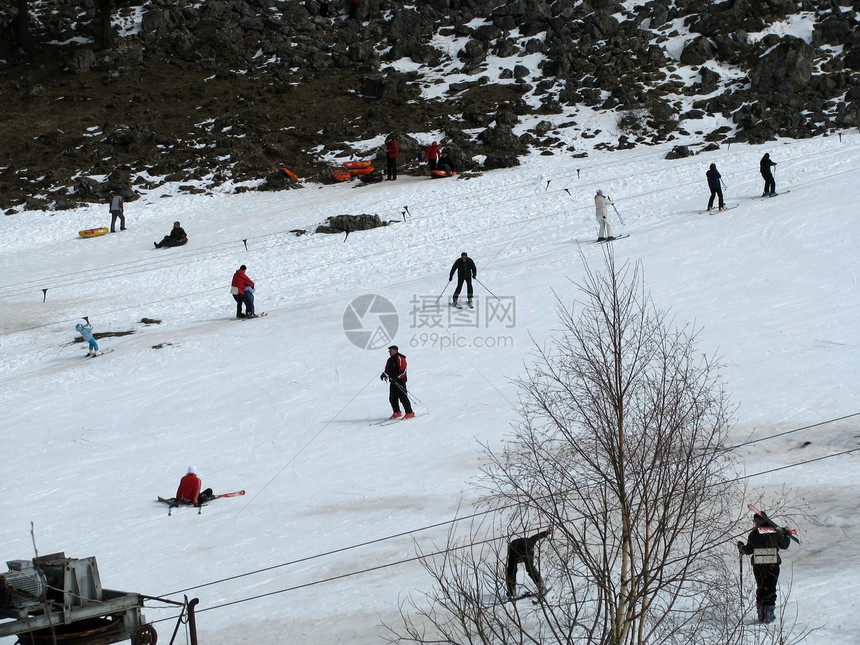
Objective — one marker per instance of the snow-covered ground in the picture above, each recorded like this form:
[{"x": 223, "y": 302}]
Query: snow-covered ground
[{"x": 283, "y": 406}]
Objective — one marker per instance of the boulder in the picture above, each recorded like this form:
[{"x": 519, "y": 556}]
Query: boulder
[
  {"x": 784, "y": 71},
  {"x": 350, "y": 223},
  {"x": 698, "y": 51}
]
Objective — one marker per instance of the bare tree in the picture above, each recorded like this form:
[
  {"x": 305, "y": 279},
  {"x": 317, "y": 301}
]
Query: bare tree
[{"x": 621, "y": 447}]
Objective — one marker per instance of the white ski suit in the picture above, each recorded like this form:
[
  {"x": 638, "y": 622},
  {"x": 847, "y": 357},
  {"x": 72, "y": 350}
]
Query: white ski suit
[{"x": 601, "y": 201}]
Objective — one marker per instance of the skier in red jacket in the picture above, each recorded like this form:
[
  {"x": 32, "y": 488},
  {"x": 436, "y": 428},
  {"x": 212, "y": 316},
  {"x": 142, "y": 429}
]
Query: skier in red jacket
[
  {"x": 432, "y": 155},
  {"x": 395, "y": 374},
  {"x": 189, "y": 489},
  {"x": 237, "y": 288},
  {"x": 392, "y": 152}
]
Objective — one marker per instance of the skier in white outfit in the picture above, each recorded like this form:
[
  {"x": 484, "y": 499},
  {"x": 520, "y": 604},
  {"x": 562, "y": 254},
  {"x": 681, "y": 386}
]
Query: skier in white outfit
[{"x": 601, "y": 201}]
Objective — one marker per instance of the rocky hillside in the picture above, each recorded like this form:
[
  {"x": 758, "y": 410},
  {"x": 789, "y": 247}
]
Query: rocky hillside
[{"x": 107, "y": 95}]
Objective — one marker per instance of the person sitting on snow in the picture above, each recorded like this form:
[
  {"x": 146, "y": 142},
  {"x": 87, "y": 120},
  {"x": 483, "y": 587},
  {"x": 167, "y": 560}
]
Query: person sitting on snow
[
  {"x": 189, "y": 489},
  {"x": 176, "y": 237}
]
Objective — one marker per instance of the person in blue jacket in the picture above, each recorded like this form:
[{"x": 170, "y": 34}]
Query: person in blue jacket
[{"x": 86, "y": 332}]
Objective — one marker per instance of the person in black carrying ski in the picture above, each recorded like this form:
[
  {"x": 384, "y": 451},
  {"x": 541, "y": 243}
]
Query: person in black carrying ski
[
  {"x": 764, "y": 549},
  {"x": 714, "y": 176},
  {"x": 466, "y": 271},
  {"x": 769, "y": 182},
  {"x": 523, "y": 550},
  {"x": 395, "y": 374}
]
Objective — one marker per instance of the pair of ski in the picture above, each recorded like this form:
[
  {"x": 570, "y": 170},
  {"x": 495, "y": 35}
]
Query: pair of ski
[
  {"x": 614, "y": 237},
  {"x": 389, "y": 421},
  {"x": 172, "y": 503},
  {"x": 534, "y": 596},
  {"x": 101, "y": 353},
  {"x": 459, "y": 306},
  {"x": 715, "y": 211},
  {"x": 770, "y": 526},
  {"x": 260, "y": 315}
]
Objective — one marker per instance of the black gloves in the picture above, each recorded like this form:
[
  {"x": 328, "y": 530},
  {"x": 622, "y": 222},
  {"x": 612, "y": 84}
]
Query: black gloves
[
  {"x": 741, "y": 546},
  {"x": 383, "y": 377}
]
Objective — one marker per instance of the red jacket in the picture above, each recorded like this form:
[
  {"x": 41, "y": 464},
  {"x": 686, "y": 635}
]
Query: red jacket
[
  {"x": 240, "y": 281},
  {"x": 189, "y": 489},
  {"x": 433, "y": 152},
  {"x": 392, "y": 150},
  {"x": 395, "y": 367}
]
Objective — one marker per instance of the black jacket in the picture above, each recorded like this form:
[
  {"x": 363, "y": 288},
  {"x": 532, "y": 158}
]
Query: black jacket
[
  {"x": 524, "y": 548},
  {"x": 756, "y": 540},
  {"x": 395, "y": 368},
  {"x": 465, "y": 269},
  {"x": 766, "y": 164},
  {"x": 713, "y": 176}
]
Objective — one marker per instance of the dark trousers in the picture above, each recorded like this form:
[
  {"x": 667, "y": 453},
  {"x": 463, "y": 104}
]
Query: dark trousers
[
  {"x": 169, "y": 242},
  {"x": 432, "y": 164},
  {"x": 511, "y": 573},
  {"x": 240, "y": 299},
  {"x": 114, "y": 215},
  {"x": 397, "y": 395},
  {"x": 391, "y": 169},
  {"x": 769, "y": 182},
  {"x": 716, "y": 192},
  {"x": 459, "y": 288},
  {"x": 766, "y": 577}
]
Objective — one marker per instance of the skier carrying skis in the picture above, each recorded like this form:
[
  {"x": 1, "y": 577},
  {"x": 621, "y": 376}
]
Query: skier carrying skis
[
  {"x": 523, "y": 550},
  {"x": 601, "y": 201},
  {"x": 395, "y": 374},
  {"x": 466, "y": 271},
  {"x": 189, "y": 489},
  {"x": 86, "y": 332},
  {"x": 764, "y": 549},
  {"x": 713, "y": 176},
  {"x": 769, "y": 182}
]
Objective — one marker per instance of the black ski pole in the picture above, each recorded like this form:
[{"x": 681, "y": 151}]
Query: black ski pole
[
  {"x": 411, "y": 396},
  {"x": 440, "y": 295},
  {"x": 488, "y": 291}
]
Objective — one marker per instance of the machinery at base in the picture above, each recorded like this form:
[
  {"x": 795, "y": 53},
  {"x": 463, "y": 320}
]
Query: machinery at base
[{"x": 55, "y": 599}]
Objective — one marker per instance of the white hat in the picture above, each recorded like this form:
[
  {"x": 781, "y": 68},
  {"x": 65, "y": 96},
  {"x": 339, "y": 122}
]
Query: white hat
[
  {"x": 599, "y": 191},
  {"x": 192, "y": 470}
]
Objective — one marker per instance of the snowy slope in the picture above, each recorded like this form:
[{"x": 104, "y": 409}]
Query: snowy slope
[{"x": 283, "y": 406}]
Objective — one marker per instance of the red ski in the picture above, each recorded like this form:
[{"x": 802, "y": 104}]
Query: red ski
[
  {"x": 172, "y": 503},
  {"x": 235, "y": 493},
  {"x": 771, "y": 527}
]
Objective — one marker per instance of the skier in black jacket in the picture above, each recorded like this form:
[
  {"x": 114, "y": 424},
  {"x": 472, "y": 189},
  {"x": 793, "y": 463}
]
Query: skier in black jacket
[
  {"x": 713, "y": 176},
  {"x": 764, "y": 549},
  {"x": 466, "y": 270},
  {"x": 523, "y": 550},
  {"x": 769, "y": 183},
  {"x": 395, "y": 374}
]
